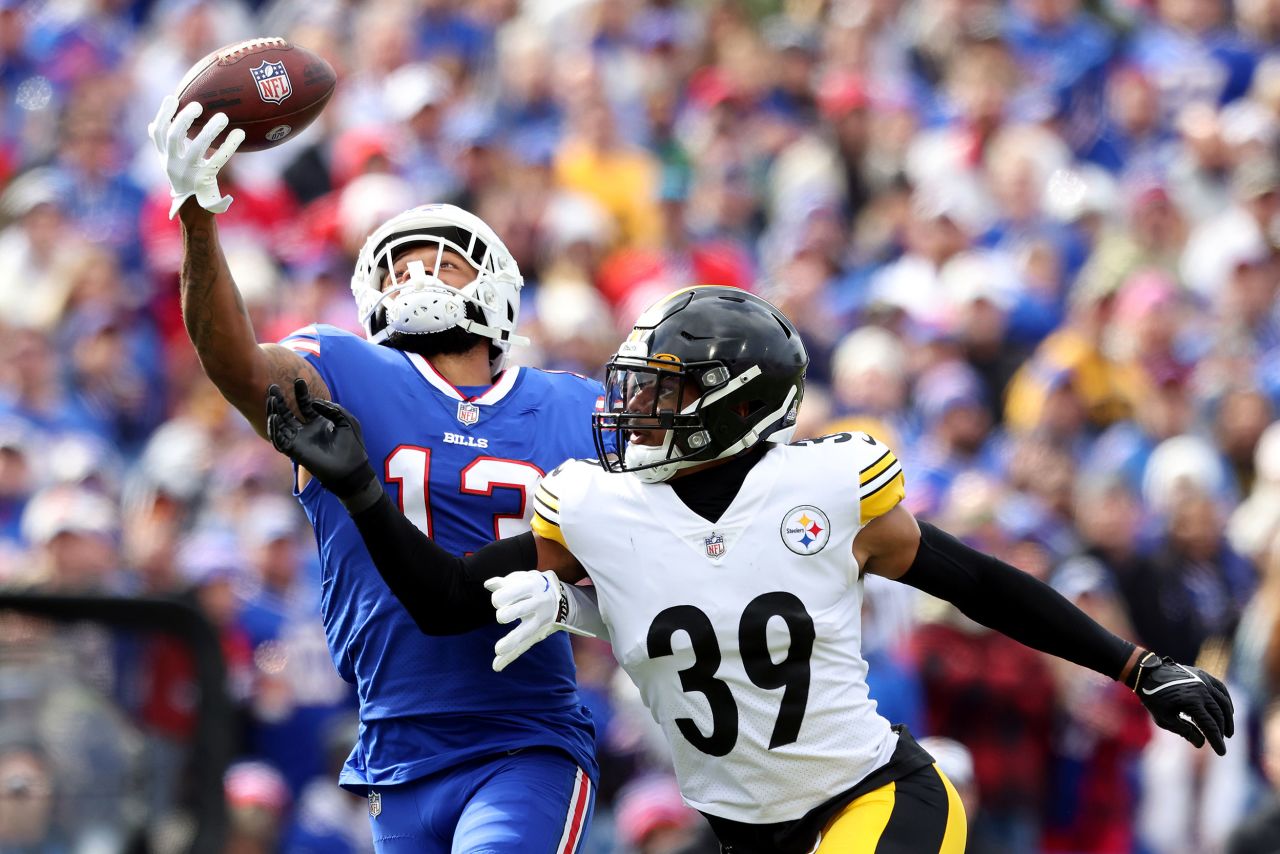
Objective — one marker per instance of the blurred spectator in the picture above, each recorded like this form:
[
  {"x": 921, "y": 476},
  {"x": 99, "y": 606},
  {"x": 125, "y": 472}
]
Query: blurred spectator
[
  {"x": 297, "y": 694},
  {"x": 181, "y": 34},
  {"x": 888, "y": 619},
  {"x": 935, "y": 234},
  {"x": 17, "y": 475},
  {"x": 1200, "y": 584},
  {"x": 31, "y": 388},
  {"x": 327, "y": 819},
  {"x": 1255, "y": 655},
  {"x": 624, "y": 180},
  {"x": 1191, "y": 803},
  {"x": 1241, "y": 235},
  {"x": 1257, "y": 835},
  {"x": 31, "y": 248},
  {"x": 258, "y": 803},
  {"x": 988, "y": 693},
  {"x": 869, "y": 378},
  {"x": 1100, "y": 732},
  {"x": 209, "y": 565},
  {"x": 77, "y": 533},
  {"x": 113, "y": 369},
  {"x": 17, "y": 68},
  {"x": 576, "y": 327},
  {"x": 1073, "y": 355},
  {"x": 980, "y": 289},
  {"x": 1258, "y": 516},
  {"x": 1242, "y": 415},
  {"x": 1191, "y": 54},
  {"x": 652, "y": 819},
  {"x": 27, "y": 801},
  {"x": 1132, "y": 139},
  {"x": 1151, "y": 236},
  {"x": 995, "y": 697},
  {"x": 1062, "y": 80},
  {"x": 416, "y": 96},
  {"x": 955, "y": 426},
  {"x": 98, "y": 196}
]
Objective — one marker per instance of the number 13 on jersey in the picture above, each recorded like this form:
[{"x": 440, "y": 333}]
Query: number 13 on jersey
[{"x": 409, "y": 466}]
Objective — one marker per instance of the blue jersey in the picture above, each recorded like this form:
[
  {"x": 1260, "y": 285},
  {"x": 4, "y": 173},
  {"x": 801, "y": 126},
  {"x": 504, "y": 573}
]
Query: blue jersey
[{"x": 463, "y": 470}]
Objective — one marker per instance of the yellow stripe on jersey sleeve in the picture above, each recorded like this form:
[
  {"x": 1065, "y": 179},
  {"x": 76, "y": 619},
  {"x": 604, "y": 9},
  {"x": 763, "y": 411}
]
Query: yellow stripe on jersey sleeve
[
  {"x": 543, "y": 495},
  {"x": 545, "y": 528},
  {"x": 880, "y": 485},
  {"x": 883, "y": 498},
  {"x": 873, "y": 471}
]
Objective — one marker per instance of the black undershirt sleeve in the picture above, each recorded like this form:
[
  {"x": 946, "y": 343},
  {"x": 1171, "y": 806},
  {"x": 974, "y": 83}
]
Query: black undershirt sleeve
[
  {"x": 443, "y": 593},
  {"x": 1013, "y": 603}
]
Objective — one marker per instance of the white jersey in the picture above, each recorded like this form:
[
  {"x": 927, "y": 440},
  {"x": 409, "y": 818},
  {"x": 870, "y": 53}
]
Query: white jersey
[{"x": 743, "y": 635}]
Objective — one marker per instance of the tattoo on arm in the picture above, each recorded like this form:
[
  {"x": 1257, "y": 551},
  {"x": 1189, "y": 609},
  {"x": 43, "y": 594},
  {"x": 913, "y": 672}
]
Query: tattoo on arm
[
  {"x": 200, "y": 264},
  {"x": 284, "y": 366},
  {"x": 219, "y": 326},
  {"x": 212, "y": 309}
]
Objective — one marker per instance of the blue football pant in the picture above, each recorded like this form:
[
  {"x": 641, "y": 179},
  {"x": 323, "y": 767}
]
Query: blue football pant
[{"x": 533, "y": 801}]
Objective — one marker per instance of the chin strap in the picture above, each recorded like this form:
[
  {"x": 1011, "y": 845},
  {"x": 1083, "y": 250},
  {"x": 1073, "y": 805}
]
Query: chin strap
[{"x": 493, "y": 333}]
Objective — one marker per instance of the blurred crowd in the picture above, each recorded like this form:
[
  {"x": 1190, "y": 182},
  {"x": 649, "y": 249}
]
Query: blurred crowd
[{"x": 1034, "y": 246}]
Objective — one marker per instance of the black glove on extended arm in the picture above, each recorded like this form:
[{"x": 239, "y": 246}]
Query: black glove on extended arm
[
  {"x": 1184, "y": 700},
  {"x": 444, "y": 594}
]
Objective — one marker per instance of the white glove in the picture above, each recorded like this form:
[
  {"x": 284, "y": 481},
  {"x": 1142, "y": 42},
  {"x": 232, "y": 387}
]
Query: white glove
[
  {"x": 190, "y": 173},
  {"x": 538, "y": 600}
]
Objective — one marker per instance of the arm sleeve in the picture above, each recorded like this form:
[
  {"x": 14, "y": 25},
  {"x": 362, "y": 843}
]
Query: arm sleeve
[
  {"x": 443, "y": 593},
  {"x": 1008, "y": 600}
]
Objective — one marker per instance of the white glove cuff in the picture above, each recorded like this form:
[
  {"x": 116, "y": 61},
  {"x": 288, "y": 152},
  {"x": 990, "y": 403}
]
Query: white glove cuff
[
  {"x": 583, "y": 610},
  {"x": 179, "y": 199}
]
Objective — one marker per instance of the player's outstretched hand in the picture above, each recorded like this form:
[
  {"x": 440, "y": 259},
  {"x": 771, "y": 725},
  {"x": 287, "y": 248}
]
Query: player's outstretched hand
[
  {"x": 328, "y": 444},
  {"x": 538, "y": 601},
  {"x": 190, "y": 172},
  {"x": 1186, "y": 700}
]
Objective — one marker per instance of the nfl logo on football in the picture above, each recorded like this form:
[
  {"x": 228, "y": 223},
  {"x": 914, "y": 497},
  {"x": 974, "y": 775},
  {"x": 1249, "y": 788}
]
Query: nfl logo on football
[
  {"x": 273, "y": 81},
  {"x": 715, "y": 545},
  {"x": 468, "y": 413}
]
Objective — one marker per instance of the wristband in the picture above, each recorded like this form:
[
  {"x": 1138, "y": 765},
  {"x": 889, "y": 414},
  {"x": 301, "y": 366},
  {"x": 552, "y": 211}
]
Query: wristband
[
  {"x": 363, "y": 497},
  {"x": 1148, "y": 661}
]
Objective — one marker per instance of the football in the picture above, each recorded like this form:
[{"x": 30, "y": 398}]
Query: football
[{"x": 268, "y": 88}]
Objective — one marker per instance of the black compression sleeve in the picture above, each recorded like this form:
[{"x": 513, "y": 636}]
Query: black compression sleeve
[
  {"x": 1008, "y": 600},
  {"x": 443, "y": 593}
]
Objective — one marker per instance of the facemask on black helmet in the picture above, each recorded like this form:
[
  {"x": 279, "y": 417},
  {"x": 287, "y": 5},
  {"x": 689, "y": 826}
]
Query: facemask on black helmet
[{"x": 705, "y": 374}]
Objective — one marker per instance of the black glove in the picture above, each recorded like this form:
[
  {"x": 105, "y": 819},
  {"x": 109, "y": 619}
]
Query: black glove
[
  {"x": 328, "y": 444},
  {"x": 1185, "y": 700}
]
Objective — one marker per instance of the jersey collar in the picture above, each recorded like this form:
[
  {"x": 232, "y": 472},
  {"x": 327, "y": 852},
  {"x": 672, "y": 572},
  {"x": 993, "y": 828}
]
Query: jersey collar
[{"x": 499, "y": 390}]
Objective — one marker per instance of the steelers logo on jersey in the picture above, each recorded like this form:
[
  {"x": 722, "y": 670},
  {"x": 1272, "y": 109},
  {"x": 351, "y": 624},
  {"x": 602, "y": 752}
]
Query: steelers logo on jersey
[{"x": 805, "y": 529}]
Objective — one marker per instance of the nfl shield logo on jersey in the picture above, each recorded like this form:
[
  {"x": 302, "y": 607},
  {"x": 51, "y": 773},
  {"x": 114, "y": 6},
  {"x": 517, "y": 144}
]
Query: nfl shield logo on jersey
[
  {"x": 375, "y": 803},
  {"x": 715, "y": 545},
  {"x": 468, "y": 413},
  {"x": 273, "y": 81}
]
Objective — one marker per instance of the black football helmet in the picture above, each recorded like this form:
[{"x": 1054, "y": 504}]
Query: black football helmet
[{"x": 706, "y": 373}]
